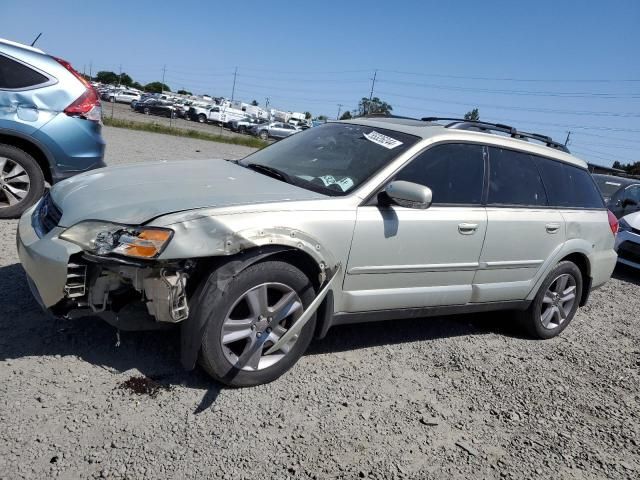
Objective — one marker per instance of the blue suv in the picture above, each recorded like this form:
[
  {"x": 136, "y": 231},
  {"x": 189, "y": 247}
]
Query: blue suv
[{"x": 50, "y": 125}]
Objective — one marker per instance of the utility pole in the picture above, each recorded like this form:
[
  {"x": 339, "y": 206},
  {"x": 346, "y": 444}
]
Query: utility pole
[
  {"x": 373, "y": 84},
  {"x": 339, "y": 108},
  {"x": 164, "y": 69},
  {"x": 90, "y": 76},
  {"x": 566, "y": 142},
  {"x": 120, "y": 77},
  {"x": 233, "y": 90}
]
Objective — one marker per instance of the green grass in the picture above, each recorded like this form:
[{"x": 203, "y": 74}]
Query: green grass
[{"x": 179, "y": 132}]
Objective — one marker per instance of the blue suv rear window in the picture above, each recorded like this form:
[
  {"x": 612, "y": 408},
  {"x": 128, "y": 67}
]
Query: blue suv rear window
[{"x": 16, "y": 75}]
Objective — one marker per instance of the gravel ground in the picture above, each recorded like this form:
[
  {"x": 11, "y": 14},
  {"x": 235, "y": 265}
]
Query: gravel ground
[{"x": 458, "y": 397}]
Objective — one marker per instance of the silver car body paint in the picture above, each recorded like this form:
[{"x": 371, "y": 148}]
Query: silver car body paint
[
  {"x": 220, "y": 209},
  {"x": 633, "y": 237}
]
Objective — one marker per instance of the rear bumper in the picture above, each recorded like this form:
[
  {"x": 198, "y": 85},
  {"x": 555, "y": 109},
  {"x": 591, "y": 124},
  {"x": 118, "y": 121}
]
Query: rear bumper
[
  {"x": 602, "y": 264},
  {"x": 75, "y": 146},
  {"x": 45, "y": 260}
]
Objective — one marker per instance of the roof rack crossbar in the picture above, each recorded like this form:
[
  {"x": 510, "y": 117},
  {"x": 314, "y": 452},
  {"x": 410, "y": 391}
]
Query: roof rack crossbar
[{"x": 463, "y": 124}]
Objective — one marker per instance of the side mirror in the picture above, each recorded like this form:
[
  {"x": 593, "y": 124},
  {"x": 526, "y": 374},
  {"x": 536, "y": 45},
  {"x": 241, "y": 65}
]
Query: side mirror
[
  {"x": 629, "y": 202},
  {"x": 409, "y": 194}
]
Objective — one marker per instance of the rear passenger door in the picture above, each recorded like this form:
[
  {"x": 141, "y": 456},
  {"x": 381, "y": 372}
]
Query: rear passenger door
[{"x": 522, "y": 231}]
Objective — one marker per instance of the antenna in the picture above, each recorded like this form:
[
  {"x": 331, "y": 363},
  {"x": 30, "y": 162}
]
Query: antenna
[{"x": 34, "y": 42}]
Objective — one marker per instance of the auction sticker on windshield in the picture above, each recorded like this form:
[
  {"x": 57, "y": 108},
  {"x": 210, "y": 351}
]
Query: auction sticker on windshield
[{"x": 380, "y": 139}]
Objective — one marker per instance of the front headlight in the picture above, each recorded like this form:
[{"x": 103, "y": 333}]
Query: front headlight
[{"x": 103, "y": 238}]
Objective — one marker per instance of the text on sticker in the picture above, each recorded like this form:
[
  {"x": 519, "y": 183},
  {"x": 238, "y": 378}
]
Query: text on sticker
[{"x": 380, "y": 139}]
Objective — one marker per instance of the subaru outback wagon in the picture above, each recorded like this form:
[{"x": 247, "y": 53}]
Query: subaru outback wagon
[
  {"x": 369, "y": 219},
  {"x": 50, "y": 125}
]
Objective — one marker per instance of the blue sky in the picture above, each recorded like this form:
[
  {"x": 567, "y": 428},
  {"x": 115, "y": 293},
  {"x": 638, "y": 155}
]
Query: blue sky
[{"x": 545, "y": 66}]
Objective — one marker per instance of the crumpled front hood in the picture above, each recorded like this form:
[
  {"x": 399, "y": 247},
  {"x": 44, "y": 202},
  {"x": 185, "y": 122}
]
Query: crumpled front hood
[{"x": 134, "y": 194}]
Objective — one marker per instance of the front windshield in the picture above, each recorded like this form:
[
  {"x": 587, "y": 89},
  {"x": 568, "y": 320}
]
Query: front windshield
[{"x": 334, "y": 158}]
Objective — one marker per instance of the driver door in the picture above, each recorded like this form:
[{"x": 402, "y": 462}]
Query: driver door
[{"x": 410, "y": 258}]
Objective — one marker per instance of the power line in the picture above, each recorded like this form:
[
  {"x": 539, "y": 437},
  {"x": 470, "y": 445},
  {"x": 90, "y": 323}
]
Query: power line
[
  {"x": 525, "y": 109},
  {"x": 512, "y": 79},
  {"x": 517, "y": 92}
]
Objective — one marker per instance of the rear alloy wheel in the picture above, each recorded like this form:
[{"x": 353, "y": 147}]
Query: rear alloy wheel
[
  {"x": 242, "y": 129},
  {"x": 202, "y": 118},
  {"x": 146, "y": 111},
  {"x": 556, "y": 303},
  {"x": 264, "y": 135},
  {"x": 21, "y": 181},
  {"x": 245, "y": 320}
]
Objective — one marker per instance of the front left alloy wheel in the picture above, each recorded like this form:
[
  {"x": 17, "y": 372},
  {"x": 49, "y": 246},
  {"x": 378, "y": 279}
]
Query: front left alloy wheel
[{"x": 248, "y": 317}]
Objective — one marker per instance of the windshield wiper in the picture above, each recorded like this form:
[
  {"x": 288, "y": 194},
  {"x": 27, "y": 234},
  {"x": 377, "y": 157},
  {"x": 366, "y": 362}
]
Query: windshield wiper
[{"x": 272, "y": 172}]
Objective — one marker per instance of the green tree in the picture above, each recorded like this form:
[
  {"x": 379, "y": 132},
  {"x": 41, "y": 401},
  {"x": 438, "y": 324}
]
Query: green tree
[
  {"x": 254, "y": 103},
  {"x": 105, "y": 76},
  {"x": 630, "y": 168},
  {"x": 184, "y": 92},
  {"x": 137, "y": 86},
  {"x": 157, "y": 87},
  {"x": 473, "y": 115},
  {"x": 308, "y": 116},
  {"x": 125, "y": 80},
  {"x": 346, "y": 115},
  {"x": 323, "y": 118},
  {"x": 373, "y": 106},
  {"x": 617, "y": 165}
]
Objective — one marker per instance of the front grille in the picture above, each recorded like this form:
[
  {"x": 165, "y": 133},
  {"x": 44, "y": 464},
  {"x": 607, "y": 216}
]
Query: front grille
[
  {"x": 629, "y": 251},
  {"x": 47, "y": 216}
]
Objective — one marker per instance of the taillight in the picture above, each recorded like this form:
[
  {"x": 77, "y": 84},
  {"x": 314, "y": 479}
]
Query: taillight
[
  {"x": 87, "y": 105},
  {"x": 613, "y": 222}
]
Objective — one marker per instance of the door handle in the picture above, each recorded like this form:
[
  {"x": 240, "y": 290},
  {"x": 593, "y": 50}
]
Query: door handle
[
  {"x": 552, "y": 227},
  {"x": 467, "y": 228}
]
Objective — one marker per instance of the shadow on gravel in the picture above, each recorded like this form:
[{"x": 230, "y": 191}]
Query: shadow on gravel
[
  {"x": 627, "y": 274},
  {"x": 26, "y": 331}
]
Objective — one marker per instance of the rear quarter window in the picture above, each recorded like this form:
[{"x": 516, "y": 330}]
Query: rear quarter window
[
  {"x": 568, "y": 186},
  {"x": 15, "y": 75}
]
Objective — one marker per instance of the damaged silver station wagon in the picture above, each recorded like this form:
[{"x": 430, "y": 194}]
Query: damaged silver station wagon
[{"x": 375, "y": 218}]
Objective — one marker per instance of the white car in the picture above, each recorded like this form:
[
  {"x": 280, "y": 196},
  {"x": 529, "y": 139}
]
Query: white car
[
  {"x": 628, "y": 240},
  {"x": 124, "y": 96}
]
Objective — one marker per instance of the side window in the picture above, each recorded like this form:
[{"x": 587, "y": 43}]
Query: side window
[
  {"x": 453, "y": 172},
  {"x": 16, "y": 75},
  {"x": 568, "y": 186},
  {"x": 633, "y": 193},
  {"x": 514, "y": 179}
]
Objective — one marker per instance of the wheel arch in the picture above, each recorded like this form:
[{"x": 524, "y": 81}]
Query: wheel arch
[
  {"x": 33, "y": 148},
  {"x": 583, "y": 264}
]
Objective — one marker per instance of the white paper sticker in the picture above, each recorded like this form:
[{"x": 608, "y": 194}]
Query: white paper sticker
[{"x": 380, "y": 139}]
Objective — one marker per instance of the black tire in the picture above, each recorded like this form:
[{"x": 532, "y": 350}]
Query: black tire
[
  {"x": 264, "y": 135},
  {"x": 242, "y": 129},
  {"x": 214, "y": 305},
  {"x": 147, "y": 111},
  {"x": 36, "y": 181},
  {"x": 202, "y": 118},
  {"x": 531, "y": 319},
  {"x": 112, "y": 99}
]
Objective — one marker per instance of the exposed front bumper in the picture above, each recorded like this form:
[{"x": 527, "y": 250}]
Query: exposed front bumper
[
  {"x": 45, "y": 260},
  {"x": 628, "y": 248}
]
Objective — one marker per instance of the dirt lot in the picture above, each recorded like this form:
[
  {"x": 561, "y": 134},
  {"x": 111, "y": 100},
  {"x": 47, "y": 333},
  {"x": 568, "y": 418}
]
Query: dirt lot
[{"x": 459, "y": 397}]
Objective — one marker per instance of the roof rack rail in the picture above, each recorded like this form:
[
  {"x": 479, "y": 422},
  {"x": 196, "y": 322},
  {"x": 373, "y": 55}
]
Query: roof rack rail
[
  {"x": 388, "y": 115},
  {"x": 462, "y": 124}
]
